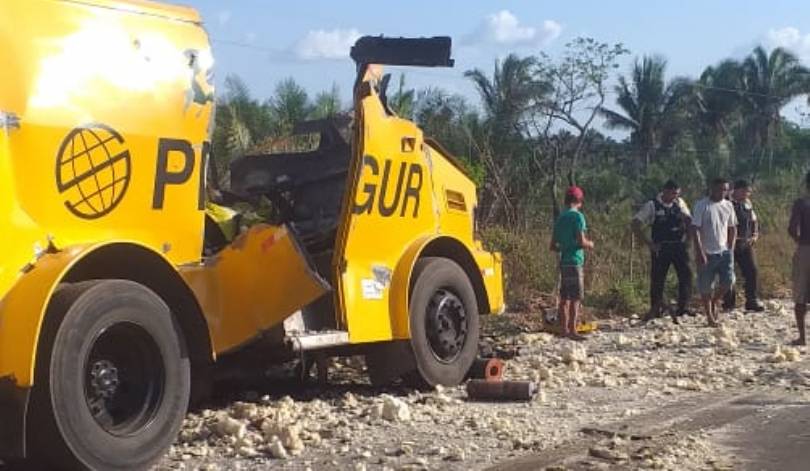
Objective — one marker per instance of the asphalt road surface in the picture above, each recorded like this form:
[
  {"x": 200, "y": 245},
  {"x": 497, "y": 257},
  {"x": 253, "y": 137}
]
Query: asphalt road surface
[{"x": 754, "y": 431}]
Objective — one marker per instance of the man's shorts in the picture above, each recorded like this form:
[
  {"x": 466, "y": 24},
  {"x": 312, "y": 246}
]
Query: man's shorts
[
  {"x": 572, "y": 283},
  {"x": 720, "y": 266},
  {"x": 801, "y": 275}
]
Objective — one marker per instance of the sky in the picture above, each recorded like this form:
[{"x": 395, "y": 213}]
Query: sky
[{"x": 264, "y": 41}]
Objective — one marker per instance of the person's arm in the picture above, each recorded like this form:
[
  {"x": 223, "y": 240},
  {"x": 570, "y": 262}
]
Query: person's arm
[
  {"x": 584, "y": 241},
  {"x": 687, "y": 217},
  {"x": 793, "y": 225},
  {"x": 582, "y": 228},
  {"x": 732, "y": 237},
  {"x": 700, "y": 255},
  {"x": 553, "y": 246},
  {"x": 638, "y": 229},
  {"x": 732, "y": 229},
  {"x": 644, "y": 216},
  {"x": 754, "y": 230},
  {"x": 694, "y": 233}
]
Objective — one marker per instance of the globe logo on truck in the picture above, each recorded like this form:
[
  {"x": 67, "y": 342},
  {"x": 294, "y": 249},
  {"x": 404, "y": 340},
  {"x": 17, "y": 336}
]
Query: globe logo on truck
[{"x": 93, "y": 170}]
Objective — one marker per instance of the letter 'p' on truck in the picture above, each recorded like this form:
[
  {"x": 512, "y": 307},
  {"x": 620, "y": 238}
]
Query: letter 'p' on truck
[{"x": 127, "y": 279}]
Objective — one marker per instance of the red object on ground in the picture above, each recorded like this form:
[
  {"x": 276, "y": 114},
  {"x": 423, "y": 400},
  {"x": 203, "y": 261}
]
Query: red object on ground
[{"x": 488, "y": 369}]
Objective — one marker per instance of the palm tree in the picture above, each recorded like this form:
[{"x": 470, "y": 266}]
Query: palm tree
[
  {"x": 507, "y": 98},
  {"x": 769, "y": 82},
  {"x": 511, "y": 93},
  {"x": 241, "y": 121},
  {"x": 652, "y": 108},
  {"x": 402, "y": 102},
  {"x": 716, "y": 101}
]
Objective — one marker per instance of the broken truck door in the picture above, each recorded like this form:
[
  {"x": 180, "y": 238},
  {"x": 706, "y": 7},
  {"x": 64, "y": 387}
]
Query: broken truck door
[{"x": 391, "y": 207}]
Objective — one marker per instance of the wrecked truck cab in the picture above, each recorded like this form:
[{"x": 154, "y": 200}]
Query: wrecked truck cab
[{"x": 113, "y": 312}]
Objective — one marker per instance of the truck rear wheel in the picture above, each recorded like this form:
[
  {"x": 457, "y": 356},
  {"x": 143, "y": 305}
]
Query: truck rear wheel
[
  {"x": 113, "y": 379},
  {"x": 444, "y": 321}
]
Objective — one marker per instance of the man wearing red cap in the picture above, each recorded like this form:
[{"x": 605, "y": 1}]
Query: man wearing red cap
[{"x": 570, "y": 241}]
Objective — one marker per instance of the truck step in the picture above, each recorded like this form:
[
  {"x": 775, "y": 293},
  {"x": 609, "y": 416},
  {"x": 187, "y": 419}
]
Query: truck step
[{"x": 306, "y": 341}]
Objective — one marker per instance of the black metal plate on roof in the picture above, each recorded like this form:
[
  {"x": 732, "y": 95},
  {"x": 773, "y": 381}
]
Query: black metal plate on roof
[{"x": 419, "y": 52}]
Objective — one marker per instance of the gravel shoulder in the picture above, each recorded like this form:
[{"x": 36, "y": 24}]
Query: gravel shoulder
[{"x": 623, "y": 373}]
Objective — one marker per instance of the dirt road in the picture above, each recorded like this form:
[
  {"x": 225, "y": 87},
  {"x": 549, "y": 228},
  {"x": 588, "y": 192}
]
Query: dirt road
[
  {"x": 687, "y": 394},
  {"x": 660, "y": 396}
]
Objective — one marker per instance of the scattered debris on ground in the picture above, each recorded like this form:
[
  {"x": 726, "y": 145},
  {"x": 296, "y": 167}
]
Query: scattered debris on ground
[{"x": 623, "y": 370}]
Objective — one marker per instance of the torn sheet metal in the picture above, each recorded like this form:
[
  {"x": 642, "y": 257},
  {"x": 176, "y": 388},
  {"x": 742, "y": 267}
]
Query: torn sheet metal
[{"x": 254, "y": 284}]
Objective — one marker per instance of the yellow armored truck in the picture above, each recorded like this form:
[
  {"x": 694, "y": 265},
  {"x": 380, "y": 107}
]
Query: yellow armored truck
[{"x": 122, "y": 287}]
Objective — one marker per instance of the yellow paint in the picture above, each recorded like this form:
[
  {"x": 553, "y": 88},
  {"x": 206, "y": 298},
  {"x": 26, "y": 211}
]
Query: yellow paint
[
  {"x": 370, "y": 242},
  {"x": 253, "y": 285},
  {"x": 22, "y": 310},
  {"x": 102, "y": 65},
  {"x": 113, "y": 82},
  {"x": 67, "y": 65}
]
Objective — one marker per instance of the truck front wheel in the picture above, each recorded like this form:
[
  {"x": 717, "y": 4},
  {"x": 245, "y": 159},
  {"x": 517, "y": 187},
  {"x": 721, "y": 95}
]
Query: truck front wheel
[
  {"x": 113, "y": 379},
  {"x": 444, "y": 321}
]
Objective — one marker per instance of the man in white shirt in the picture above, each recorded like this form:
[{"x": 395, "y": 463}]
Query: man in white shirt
[
  {"x": 668, "y": 217},
  {"x": 714, "y": 231}
]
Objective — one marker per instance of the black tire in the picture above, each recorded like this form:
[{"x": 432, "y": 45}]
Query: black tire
[
  {"x": 112, "y": 380},
  {"x": 444, "y": 322}
]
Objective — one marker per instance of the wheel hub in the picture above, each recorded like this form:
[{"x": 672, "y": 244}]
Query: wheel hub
[
  {"x": 104, "y": 378},
  {"x": 124, "y": 379},
  {"x": 446, "y": 325}
]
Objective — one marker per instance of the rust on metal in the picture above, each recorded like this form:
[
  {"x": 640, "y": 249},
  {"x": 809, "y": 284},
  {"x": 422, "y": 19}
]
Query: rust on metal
[{"x": 501, "y": 390}]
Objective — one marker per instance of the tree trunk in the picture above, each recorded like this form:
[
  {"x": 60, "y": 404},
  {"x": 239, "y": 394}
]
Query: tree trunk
[{"x": 555, "y": 201}]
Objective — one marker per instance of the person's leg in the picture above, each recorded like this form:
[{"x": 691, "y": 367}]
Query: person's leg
[
  {"x": 573, "y": 319},
  {"x": 725, "y": 273},
  {"x": 708, "y": 309},
  {"x": 562, "y": 313},
  {"x": 576, "y": 303},
  {"x": 658, "y": 276},
  {"x": 681, "y": 261},
  {"x": 562, "y": 305},
  {"x": 573, "y": 316},
  {"x": 730, "y": 299},
  {"x": 748, "y": 267},
  {"x": 801, "y": 290},
  {"x": 801, "y": 314},
  {"x": 705, "y": 281}
]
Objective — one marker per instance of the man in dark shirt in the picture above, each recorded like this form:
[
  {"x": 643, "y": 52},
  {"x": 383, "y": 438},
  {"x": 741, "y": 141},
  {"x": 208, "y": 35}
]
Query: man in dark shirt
[
  {"x": 799, "y": 230},
  {"x": 744, "y": 256},
  {"x": 668, "y": 217}
]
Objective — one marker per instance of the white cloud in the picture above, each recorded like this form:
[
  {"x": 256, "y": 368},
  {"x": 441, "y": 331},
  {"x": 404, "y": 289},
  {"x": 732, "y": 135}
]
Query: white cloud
[
  {"x": 505, "y": 29},
  {"x": 326, "y": 44},
  {"x": 224, "y": 17},
  {"x": 791, "y": 39}
]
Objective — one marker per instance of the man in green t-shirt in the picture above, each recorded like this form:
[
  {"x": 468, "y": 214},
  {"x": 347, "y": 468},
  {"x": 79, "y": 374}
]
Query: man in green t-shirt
[{"x": 570, "y": 241}]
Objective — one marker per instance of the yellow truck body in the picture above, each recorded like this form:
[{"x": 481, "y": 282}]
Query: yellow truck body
[{"x": 106, "y": 113}]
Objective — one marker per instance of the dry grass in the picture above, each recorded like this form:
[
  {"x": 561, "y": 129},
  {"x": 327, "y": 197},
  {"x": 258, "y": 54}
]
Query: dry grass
[{"x": 617, "y": 272}]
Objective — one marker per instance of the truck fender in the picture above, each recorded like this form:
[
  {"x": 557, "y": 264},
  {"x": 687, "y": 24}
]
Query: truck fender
[
  {"x": 23, "y": 309},
  {"x": 22, "y": 312},
  {"x": 401, "y": 279},
  {"x": 401, "y": 287}
]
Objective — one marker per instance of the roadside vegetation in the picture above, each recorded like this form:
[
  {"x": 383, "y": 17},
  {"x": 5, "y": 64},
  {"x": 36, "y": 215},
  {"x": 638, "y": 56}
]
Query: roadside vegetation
[{"x": 542, "y": 123}]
